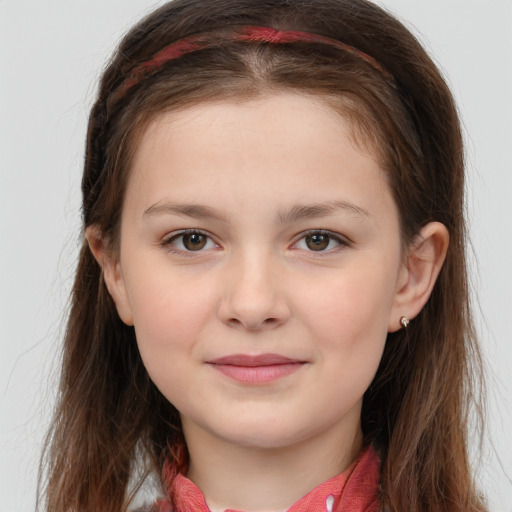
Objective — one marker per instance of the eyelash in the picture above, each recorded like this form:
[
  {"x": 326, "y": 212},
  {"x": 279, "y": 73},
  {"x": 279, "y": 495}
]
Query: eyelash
[
  {"x": 168, "y": 241},
  {"x": 340, "y": 240}
]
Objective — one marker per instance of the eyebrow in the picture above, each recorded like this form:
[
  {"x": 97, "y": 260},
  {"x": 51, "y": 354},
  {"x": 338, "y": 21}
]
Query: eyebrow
[
  {"x": 195, "y": 211},
  {"x": 317, "y": 210},
  {"x": 293, "y": 214}
]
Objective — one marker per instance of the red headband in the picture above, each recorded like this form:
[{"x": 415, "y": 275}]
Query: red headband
[{"x": 248, "y": 33}]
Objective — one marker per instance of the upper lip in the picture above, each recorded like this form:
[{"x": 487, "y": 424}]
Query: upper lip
[{"x": 254, "y": 360}]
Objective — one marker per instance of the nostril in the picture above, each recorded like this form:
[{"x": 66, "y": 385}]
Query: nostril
[{"x": 253, "y": 326}]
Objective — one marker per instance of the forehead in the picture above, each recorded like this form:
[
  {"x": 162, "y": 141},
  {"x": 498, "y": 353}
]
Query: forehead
[
  {"x": 296, "y": 144},
  {"x": 291, "y": 115}
]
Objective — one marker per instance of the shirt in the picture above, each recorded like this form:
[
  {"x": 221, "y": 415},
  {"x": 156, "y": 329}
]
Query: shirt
[{"x": 354, "y": 490}]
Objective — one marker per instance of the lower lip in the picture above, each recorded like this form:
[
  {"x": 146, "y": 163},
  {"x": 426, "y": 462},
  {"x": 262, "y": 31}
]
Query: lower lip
[{"x": 258, "y": 374}]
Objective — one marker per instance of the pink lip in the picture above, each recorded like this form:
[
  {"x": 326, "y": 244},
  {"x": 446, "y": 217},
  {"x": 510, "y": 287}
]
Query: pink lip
[{"x": 258, "y": 369}]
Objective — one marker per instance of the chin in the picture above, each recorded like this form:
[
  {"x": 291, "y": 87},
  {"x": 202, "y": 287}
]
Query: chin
[
  {"x": 263, "y": 440},
  {"x": 266, "y": 434}
]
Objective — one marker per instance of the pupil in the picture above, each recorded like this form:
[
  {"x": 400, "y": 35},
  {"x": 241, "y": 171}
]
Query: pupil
[
  {"x": 194, "y": 241},
  {"x": 317, "y": 242}
]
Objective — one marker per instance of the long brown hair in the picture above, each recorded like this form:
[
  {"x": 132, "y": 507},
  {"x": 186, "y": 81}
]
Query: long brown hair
[{"x": 110, "y": 419}]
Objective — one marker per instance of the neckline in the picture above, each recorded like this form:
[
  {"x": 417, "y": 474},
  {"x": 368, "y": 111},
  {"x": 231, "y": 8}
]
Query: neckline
[{"x": 355, "y": 489}]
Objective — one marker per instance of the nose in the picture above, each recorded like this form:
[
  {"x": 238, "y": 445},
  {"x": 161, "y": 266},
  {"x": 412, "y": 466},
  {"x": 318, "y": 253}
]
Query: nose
[{"x": 253, "y": 297}]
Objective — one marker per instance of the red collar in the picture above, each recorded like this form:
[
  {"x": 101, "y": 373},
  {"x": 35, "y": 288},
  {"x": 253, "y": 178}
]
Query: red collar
[{"x": 354, "y": 490}]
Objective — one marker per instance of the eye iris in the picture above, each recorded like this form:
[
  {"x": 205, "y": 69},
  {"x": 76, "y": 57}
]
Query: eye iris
[
  {"x": 317, "y": 242},
  {"x": 194, "y": 241}
]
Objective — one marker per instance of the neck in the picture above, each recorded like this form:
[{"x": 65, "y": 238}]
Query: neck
[{"x": 257, "y": 479}]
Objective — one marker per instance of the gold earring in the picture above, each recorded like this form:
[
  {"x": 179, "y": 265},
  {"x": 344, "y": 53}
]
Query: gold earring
[{"x": 404, "y": 321}]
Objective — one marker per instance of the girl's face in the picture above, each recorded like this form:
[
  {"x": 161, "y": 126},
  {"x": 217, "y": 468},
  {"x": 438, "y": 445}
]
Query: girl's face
[{"x": 260, "y": 261}]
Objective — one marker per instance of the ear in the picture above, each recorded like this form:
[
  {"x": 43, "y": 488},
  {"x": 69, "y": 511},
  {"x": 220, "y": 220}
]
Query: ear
[
  {"x": 112, "y": 273},
  {"x": 419, "y": 272}
]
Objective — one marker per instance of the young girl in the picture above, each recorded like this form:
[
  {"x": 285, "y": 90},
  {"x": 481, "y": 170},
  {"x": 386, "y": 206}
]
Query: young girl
[{"x": 270, "y": 310}]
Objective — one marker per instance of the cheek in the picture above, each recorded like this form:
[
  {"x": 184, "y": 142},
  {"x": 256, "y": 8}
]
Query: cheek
[
  {"x": 169, "y": 313},
  {"x": 356, "y": 300},
  {"x": 349, "y": 317},
  {"x": 170, "y": 317}
]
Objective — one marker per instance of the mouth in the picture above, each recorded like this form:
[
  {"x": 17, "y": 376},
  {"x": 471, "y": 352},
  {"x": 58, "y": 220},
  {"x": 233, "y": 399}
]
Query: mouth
[{"x": 259, "y": 369}]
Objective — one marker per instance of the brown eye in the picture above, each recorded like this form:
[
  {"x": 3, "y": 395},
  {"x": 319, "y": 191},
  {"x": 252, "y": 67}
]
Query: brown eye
[
  {"x": 194, "y": 241},
  {"x": 321, "y": 241},
  {"x": 190, "y": 241},
  {"x": 317, "y": 242}
]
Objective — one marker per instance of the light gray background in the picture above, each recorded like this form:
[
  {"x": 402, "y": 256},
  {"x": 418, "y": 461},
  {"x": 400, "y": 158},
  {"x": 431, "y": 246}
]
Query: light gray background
[{"x": 50, "y": 56}]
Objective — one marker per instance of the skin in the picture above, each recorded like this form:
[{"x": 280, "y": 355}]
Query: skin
[{"x": 257, "y": 178}]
